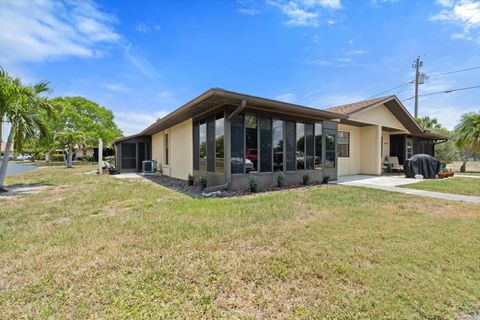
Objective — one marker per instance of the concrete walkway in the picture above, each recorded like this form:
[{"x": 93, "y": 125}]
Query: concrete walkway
[{"x": 391, "y": 183}]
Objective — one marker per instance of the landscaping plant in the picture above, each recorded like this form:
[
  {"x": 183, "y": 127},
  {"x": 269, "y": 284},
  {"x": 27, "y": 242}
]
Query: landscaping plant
[
  {"x": 305, "y": 179},
  {"x": 203, "y": 182},
  {"x": 280, "y": 179},
  {"x": 190, "y": 179},
  {"x": 325, "y": 179},
  {"x": 252, "y": 183}
]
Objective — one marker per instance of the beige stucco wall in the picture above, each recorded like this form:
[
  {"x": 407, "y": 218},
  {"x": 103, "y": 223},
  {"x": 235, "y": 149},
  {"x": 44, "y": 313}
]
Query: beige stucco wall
[
  {"x": 181, "y": 150},
  {"x": 370, "y": 158},
  {"x": 386, "y": 144},
  {"x": 379, "y": 115},
  {"x": 157, "y": 148},
  {"x": 351, "y": 165}
]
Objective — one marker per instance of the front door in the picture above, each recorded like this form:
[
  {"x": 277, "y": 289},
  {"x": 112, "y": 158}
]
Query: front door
[{"x": 330, "y": 162}]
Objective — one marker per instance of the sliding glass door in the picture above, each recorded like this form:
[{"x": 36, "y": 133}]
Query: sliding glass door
[{"x": 330, "y": 153}]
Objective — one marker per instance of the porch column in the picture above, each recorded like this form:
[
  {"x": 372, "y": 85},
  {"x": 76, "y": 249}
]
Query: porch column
[{"x": 378, "y": 149}]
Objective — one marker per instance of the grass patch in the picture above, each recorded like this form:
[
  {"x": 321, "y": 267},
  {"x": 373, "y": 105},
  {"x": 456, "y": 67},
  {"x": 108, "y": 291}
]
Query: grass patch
[
  {"x": 456, "y": 185},
  {"x": 100, "y": 247}
]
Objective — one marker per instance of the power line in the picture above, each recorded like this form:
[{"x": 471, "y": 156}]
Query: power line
[
  {"x": 450, "y": 72},
  {"x": 396, "y": 87},
  {"x": 444, "y": 91}
]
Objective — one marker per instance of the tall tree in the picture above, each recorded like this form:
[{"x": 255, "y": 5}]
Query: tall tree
[
  {"x": 70, "y": 141},
  {"x": 80, "y": 114},
  {"x": 20, "y": 105},
  {"x": 467, "y": 134},
  {"x": 447, "y": 151},
  {"x": 428, "y": 123}
]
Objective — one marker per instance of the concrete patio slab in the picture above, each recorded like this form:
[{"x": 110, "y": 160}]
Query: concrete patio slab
[
  {"x": 390, "y": 181},
  {"x": 391, "y": 184}
]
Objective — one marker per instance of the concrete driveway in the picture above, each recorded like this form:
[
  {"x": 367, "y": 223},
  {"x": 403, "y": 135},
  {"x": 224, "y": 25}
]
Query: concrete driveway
[
  {"x": 391, "y": 183},
  {"x": 382, "y": 181}
]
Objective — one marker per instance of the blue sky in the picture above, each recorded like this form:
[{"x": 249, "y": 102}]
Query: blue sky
[{"x": 143, "y": 59}]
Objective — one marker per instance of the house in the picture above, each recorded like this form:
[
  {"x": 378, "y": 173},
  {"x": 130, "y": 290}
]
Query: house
[{"x": 228, "y": 136}]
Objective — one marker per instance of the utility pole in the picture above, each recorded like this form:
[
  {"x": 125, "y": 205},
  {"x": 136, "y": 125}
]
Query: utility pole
[{"x": 417, "y": 64}]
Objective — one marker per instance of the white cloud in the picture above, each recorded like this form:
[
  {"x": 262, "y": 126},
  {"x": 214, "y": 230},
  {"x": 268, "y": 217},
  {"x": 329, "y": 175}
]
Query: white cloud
[
  {"x": 287, "y": 97},
  {"x": 40, "y": 30},
  {"x": 305, "y": 12},
  {"x": 447, "y": 115},
  {"x": 143, "y": 28},
  {"x": 341, "y": 62},
  {"x": 248, "y": 11},
  {"x": 116, "y": 87},
  {"x": 134, "y": 122},
  {"x": 376, "y": 2},
  {"x": 140, "y": 62},
  {"x": 463, "y": 13}
]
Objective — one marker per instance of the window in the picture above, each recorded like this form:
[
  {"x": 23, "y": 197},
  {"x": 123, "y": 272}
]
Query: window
[
  {"x": 409, "y": 144},
  {"x": 237, "y": 144},
  {"x": 167, "y": 156},
  {"x": 277, "y": 134},
  {"x": 202, "y": 154},
  {"x": 290, "y": 159},
  {"x": 343, "y": 144},
  {"x": 219, "y": 143},
  {"x": 330, "y": 158},
  {"x": 211, "y": 144},
  {"x": 265, "y": 126},
  {"x": 251, "y": 143},
  {"x": 309, "y": 146},
  {"x": 300, "y": 146},
  {"x": 318, "y": 146}
]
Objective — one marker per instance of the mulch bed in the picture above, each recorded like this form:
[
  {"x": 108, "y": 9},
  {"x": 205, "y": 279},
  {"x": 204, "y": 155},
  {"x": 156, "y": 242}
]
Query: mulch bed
[{"x": 196, "y": 192}]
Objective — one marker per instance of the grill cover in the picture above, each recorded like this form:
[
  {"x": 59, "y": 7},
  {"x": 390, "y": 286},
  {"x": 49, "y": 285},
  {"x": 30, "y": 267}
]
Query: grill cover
[{"x": 422, "y": 164}]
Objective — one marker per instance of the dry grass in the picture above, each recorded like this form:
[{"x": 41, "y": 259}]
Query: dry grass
[{"x": 90, "y": 247}]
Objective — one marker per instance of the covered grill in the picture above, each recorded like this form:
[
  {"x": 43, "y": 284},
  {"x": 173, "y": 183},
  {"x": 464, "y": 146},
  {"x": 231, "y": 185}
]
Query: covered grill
[{"x": 423, "y": 164}]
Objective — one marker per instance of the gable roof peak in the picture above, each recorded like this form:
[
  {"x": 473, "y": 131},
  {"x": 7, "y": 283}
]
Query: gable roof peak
[{"x": 351, "y": 108}]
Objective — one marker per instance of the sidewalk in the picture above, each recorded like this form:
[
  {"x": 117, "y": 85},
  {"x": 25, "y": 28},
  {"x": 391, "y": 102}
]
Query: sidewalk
[{"x": 392, "y": 183}]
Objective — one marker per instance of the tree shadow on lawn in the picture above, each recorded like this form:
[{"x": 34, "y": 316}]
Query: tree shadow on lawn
[{"x": 15, "y": 190}]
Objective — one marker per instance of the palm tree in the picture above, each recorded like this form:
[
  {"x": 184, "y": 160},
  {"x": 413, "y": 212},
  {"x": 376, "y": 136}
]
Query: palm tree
[
  {"x": 20, "y": 106},
  {"x": 428, "y": 123},
  {"x": 70, "y": 141},
  {"x": 467, "y": 134}
]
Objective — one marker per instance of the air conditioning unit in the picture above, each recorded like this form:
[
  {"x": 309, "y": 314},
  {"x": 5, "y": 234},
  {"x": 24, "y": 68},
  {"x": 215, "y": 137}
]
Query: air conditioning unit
[{"x": 149, "y": 166}]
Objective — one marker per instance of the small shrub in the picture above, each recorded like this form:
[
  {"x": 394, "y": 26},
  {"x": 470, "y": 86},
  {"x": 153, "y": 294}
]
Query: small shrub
[
  {"x": 280, "y": 179},
  {"x": 252, "y": 183},
  {"x": 203, "y": 182},
  {"x": 190, "y": 179},
  {"x": 305, "y": 179}
]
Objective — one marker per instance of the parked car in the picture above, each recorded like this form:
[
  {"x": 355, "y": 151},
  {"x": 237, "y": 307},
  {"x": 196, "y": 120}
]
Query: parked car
[
  {"x": 238, "y": 163},
  {"x": 23, "y": 157},
  {"x": 9, "y": 158}
]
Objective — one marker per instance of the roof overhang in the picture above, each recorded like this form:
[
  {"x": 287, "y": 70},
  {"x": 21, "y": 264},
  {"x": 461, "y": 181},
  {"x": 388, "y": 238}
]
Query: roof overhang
[
  {"x": 400, "y": 112},
  {"x": 216, "y": 97}
]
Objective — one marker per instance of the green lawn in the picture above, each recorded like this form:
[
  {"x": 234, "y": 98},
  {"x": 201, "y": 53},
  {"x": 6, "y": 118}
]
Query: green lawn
[
  {"x": 99, "y": 247},
  {"x": 457, "y": 185}
]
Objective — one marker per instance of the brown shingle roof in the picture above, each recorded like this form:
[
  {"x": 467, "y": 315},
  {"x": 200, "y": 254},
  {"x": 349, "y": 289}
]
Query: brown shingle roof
[{"x": 348, "y": 109}]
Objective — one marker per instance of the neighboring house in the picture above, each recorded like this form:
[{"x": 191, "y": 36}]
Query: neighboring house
[
  {"x": 84, "y": 153},
  {"x": 227, "y": 136}
]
